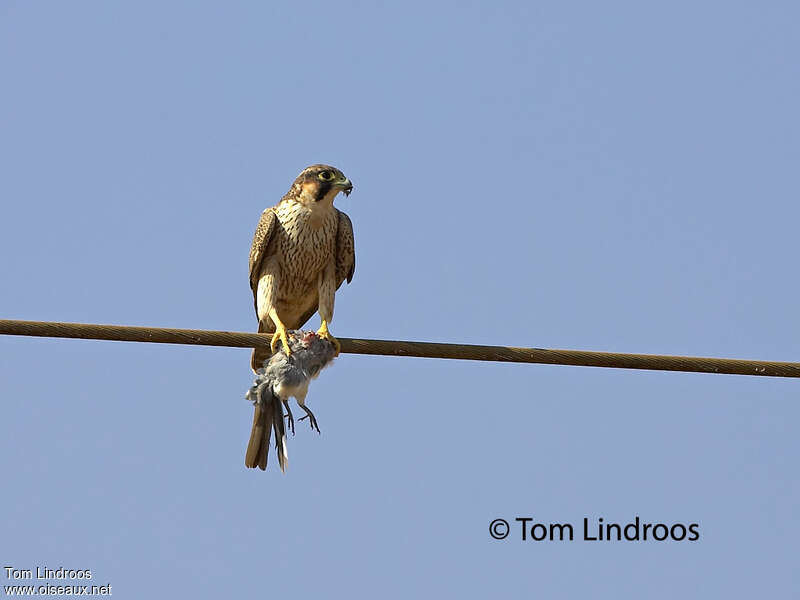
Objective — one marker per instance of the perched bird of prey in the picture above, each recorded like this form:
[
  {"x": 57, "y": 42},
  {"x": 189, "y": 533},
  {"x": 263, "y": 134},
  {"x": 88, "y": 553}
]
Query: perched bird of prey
[{"x": 302, "y": 251}]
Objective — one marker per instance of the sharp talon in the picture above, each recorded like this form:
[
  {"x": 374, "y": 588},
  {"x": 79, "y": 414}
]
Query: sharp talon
[
  {"x": 326, "y": 335},
  {"x": 280, "y": 334}
]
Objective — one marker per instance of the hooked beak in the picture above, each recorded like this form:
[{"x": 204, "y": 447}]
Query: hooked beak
[{"x": 346, "y": 185}]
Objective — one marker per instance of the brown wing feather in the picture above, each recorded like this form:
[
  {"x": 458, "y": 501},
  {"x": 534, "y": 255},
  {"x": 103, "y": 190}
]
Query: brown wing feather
[
  {"x": 345, "y": 250},
  {"x": 260, "y": 248}
]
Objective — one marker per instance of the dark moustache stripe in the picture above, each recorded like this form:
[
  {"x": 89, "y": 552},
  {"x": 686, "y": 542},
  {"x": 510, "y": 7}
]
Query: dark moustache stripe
[{"x": 323, "y": 187}]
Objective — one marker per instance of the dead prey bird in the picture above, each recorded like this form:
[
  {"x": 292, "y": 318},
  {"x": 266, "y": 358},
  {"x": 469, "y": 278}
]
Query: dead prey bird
[{"x": 280, "y": 378}]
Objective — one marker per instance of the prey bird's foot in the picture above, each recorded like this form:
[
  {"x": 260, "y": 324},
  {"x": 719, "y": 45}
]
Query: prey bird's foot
[
  {"x": 280, "y": 335},
  {"x": 311, "y": 418},
  {"x": 289, "y": 416},
  {"x": 327, "y": 335}
]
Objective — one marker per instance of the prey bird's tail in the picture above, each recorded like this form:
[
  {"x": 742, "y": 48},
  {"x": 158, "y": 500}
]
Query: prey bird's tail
[{"x": 267, "y": 418}]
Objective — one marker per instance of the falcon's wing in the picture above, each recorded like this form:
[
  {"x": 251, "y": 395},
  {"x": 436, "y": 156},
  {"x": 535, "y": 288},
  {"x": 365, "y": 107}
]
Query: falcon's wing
[
  {"x": 260, "y": 247},
  {"x": 345, "y": 250}
]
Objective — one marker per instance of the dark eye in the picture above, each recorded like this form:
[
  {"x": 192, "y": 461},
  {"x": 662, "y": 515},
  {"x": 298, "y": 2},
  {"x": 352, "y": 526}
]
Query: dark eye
[{"x": 326, "y": 176}]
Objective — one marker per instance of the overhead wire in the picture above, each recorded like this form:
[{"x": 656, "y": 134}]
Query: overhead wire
[{"x": 585, "y": 358}]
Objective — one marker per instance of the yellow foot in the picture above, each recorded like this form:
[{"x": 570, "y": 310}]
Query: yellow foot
[
  {"x": 326, "y": 335},
  {"x": 280, "y": 334}
]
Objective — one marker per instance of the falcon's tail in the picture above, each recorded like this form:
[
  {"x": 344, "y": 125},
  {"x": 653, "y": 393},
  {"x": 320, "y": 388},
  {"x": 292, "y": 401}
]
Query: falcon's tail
[
  {"x": 261, "y": 354},
  {"x": 267, "y": 417}
]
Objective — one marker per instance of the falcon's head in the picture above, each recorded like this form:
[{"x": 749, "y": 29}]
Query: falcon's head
[{"x": 320, "y": 183}]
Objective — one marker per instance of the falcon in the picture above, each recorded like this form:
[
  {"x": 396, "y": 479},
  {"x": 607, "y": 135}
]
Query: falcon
[{"x": 302, "y": 252}]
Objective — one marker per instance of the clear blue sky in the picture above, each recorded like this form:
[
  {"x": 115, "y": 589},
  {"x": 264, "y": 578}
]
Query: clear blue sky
[{"x": 616, "y": 176}]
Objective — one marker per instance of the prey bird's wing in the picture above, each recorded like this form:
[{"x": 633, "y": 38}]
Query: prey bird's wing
[
  {"x": 261, "y": 248},
  {"x": 345, "y": 250}
]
